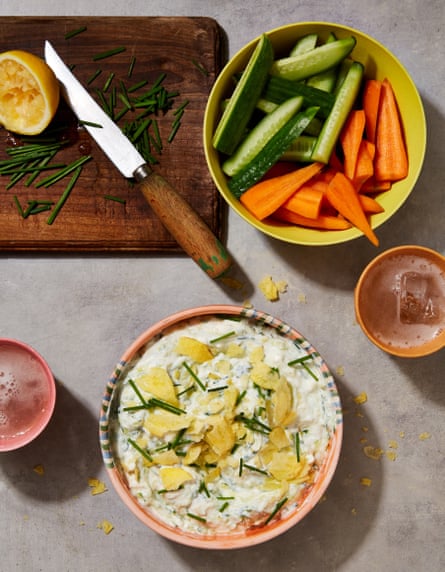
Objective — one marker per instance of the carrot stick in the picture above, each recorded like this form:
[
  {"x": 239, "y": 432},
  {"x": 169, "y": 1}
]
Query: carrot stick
[
  {"x": 391, "y": 160},
  {"x": 322, "y": 222},
  {"x": 263, "y": 198},
  {"x": 364, "y": 168},
  {"x": 350, "y": 139},
  {"x": 373, "y": 186},
  {"x": 370, "y": 205},
  {"x": 371, "y": 100},
  {"x": 307, "y": 200},
  {"x": 343, "y": 196}
]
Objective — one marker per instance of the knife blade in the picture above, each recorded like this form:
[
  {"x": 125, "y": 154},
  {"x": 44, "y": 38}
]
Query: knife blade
[{"x": 179, "y": 218}]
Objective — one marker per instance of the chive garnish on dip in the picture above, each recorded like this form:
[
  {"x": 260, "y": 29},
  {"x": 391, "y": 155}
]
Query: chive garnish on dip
[
  {"x": 196, "y": 517},
  {"x": 223, "y": 337},
  {"x": 145, "y": 454},
  {"x": 302, "y": 361},
  {"x": 275, "y": 511},
  {"x": 195, "y": 377}
]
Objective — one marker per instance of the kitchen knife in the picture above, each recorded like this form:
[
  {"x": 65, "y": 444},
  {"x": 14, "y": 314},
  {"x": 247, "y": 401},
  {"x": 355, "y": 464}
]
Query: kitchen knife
[{"x": 178, "y": 217}]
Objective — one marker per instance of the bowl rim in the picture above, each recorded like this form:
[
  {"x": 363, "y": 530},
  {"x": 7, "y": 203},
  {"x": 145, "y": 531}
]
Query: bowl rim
[
  {"x": 248, "y": 538},
  {"x": 15, "y": 443},
  {"x": 314, "y": 237},
  {"x": 422, "y": 350}
]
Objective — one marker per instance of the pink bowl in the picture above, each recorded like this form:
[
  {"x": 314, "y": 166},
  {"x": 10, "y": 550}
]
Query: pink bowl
[
  {"x": 247, "y": 537},
  {"x": 27, "y": 394}
]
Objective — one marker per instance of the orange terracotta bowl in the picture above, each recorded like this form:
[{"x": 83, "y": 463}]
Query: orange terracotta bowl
[
  {"x": 241, "y": 537},
  {"x": 400, "y": 301}
]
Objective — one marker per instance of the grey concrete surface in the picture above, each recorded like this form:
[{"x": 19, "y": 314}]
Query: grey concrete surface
[{"x": 80, "y": 313}]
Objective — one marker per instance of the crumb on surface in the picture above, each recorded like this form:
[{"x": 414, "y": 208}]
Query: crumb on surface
[
  {"x": 97, "y": 486},
  {"x": 361, "y": 398},
  {"x": 365, "y": 481},
  {"x": 340, "y": 370},
  {"x": 39, "y": 469},
  {"x": 271, "y": 289},
  {"x": 374, "y": 453},
  {"x": 106, "y": 526},
  {"x": 424, "y": 436}
]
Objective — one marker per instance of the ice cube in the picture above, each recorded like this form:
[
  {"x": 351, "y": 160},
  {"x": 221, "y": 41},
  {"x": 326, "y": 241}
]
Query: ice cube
[{"x": 414, "y": 301}]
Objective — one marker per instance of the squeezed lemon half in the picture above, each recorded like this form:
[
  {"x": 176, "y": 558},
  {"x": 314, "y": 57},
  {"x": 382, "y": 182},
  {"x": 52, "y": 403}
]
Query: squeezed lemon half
[{"x": 29, "y": 93}]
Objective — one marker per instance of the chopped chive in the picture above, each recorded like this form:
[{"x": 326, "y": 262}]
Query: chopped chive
[
  {"x": 219, "y": 388},
  {"x": 203, "y": 488},
  {"x": 121, "y": 113},
  {"x": 109, "y": 53},
  {"x": 195, "y": 377},
  {"x": 177, "y": 438},
  {"x": 240, "y": 469},
  {"x": 300, "y": 360},
  {"x": 124, "y": 98},
  {"x": 310, "y": 372},
  {"x": 223, "y": 337},
  {"x": 200, "y": 67},
  {"x": 181, "y": 108},
  {"x": 116, "y": 199},
  {"x": 253, "y": 423},
  {"x": 142, "y": 127},
  {"x": 19, "y": 206},
  {"x": 75, "y": 32},
  {"x": 240, "y": 397},
  {"x": 103, "y": 102},
  {"x": 165, "y": 405},
  {"x": 74, "y": 166},
  {"x": 145, "y": 454},
  {"x": 108, "y": 82},
  {"x": 275, "y": 510},
  {"x": 225, "y": 498},
  {"x": 159, "y": 80},
  {"x": 186, "y": 390},
  {"x": 224, "y": 506},
  {"x": 39, "y": 208},
  {"x": 131, "y": 67},
  {"x": 196, "y": 517},
  {"x": 90, "y": 123},
  {"x": 256, "y": 469},
  {"x": 173, "y": 132},
  {"x": 95, "y": 75},
  {"x": 137, "y": 86},
  {"x": 297, "y": 445},
  {"x": 64, "y": 196},
  {"x": 137, "y": 391}
]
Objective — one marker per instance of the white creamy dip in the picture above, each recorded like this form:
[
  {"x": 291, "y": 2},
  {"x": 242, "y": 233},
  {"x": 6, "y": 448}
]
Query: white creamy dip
[{"x": 222, "y": 425}]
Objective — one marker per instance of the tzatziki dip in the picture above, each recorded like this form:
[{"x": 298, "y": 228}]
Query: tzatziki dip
[{"x": 221, "y": 425}]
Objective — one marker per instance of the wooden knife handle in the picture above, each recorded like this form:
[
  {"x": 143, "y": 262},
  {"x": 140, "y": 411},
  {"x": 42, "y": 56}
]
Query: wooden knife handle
[{"x": 184, "y": 223}]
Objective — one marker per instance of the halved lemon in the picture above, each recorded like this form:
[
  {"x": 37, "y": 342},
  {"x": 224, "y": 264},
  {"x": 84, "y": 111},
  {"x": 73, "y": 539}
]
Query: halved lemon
[{"x": 29, "y": 92}]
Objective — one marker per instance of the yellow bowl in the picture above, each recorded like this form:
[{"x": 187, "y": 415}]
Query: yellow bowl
[{"x": 379, "y": 63}]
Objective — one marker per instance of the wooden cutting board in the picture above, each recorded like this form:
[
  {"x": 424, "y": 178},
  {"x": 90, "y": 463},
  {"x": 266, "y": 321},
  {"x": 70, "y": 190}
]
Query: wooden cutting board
[{"x": 189, "y": 52}]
